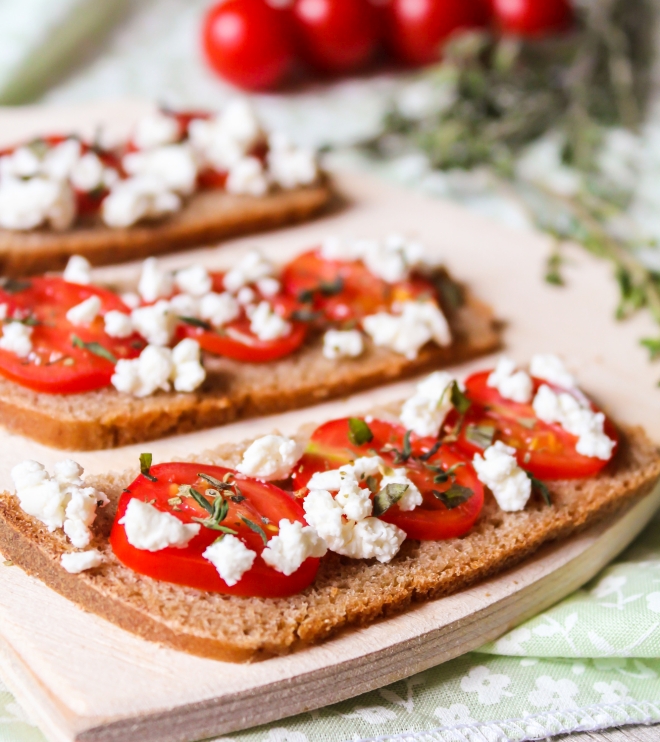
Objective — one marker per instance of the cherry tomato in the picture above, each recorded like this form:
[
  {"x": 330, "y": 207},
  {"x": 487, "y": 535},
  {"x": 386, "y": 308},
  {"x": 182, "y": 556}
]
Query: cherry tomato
[
  {"x": 346, "y": 291},
  {"x": 56, "y": 365},
  {"x": 249, "y": 43},
  {"x": 336, "y": 36},
  {"x": 235, "y": 340},
  {"x": 532, "y": 17},
  {"x": 545, "y": 450},
  {"x": 418, "y": 28},
  {"x": 264, "y": 505},
  {"x": 330, "y": 447}
]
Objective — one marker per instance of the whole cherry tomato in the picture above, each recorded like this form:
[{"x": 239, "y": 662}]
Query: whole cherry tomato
[
  {"x": 249, "y": 43},
  {"x": 533, "y": 17},
  {"x": 336, "y": 35},
  {"x": 418, "y": 28}
]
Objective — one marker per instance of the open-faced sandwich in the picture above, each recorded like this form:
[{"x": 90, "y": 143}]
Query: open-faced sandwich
[
  {"x": 84, "y": 367},
  {"x": 181, "y": 179},
  {"x": 257, "y": 549}
]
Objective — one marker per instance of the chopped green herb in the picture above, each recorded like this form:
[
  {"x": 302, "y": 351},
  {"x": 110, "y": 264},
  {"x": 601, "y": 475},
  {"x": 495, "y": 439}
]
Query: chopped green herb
[
  {"x": 458, "y": 399},
  {"x": 96, "y": 348},
  {"x": 553, "y": 266},
  {"x": 450, "y": 293},
  {"x": 372, "y": 484},
  {"x": 456, "y": 495},
  {"x": 400, "y": 457},
  {"x": 540, "y": 487},
  {"x": 652, "y": 345},
  {"x": 29, "y": 321},
  {"x": 444, "y": 476},
  {"x": 306, "y": 296},
  {"x": 214, "y": 526},
  {"x": 201, "y": 500},
  {"x": 173, "y": 501},
  {"x": 305, "y": 315},
  {"x": 215, "y": 482},
  {"x": 331, "y": 288},
  {"x": 359, "y": 432},
  {"x": 527, "y": 422},
  {"x": 14, "y": 286},
  {"x": 431, "y": 452},
  {"x": 388, "y": 496},
  {"x": 480, "y": 435},
  {"x": 237, "y": 498},
  {"x": 254, "y": 527},
  {"x": 145, "y": 466},
  {"x": 194, "y": 322}
]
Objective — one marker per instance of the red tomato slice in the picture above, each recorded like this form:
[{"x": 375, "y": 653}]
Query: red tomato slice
[
  {"x": 345, "y": 291},
  {"x": 264, "y": 506},
  {"x": 236, "y": 341},
  {"x": 533, "y": 18},
  {"x": 330, "y": 447},
  {"x": 546, "y": 451},
  {"x": 56, "y": 365}
]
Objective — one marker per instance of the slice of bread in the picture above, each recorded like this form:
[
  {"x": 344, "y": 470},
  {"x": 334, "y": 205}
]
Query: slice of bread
[
  {"x": 345, "y": 592},
  {"x": 233, "y": 390},
  {"x": 208, "y": 216}
]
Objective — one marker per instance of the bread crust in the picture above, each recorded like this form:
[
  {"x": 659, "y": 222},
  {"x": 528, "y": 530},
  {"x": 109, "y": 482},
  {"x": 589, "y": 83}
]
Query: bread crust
[
  {"x": 346, "y": 592},
  {"x": 208, "y": 216},
  {"x": 233, "y": 390}
]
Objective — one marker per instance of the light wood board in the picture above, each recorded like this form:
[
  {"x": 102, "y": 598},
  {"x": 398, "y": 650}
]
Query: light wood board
[{"x": 85, "y": 679}]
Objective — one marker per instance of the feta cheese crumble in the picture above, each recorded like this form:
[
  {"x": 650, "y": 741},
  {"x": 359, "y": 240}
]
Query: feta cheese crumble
[
  {"x": 156, "y": 322},
  {"x": 173, "y": 166},
  {"x": 427, "y": 409},
  {"x": 415, "y": 324},
  {"x": 266, "y": 323},
  {"x": 194, "y": 280},
  {"x": 577, "y": 418},
  {"x": 251, "y": 269},
  {"x": 551, "y": 368},
  {"x": 137, "y": 198},
  {"x": 78, "y": 270},
  {"x": 156, "y": 130},
  {"x": 412, "y": 497},
  {"x": 511, "y": 384},
  {"x": 150, "y": 529},
  {"x": 247, "y": 177},
  {"x": 292, "y": 546},
  {"x": 270, "y": 457},
  {"x": 85, "y": 312},
  {"x": 117, "y": 324},
  {"x": 16, "y": 338},
  {"x": 27, "y": 204},
  {"x": 291, "y": 166},
  {"x": 342, "y": 344},
  {"x": 499, "y": 471},
  {"x": 231, "y": 557},
  {"x": 154, "y": 283},
  {"x": 219, "y": 309},
  {"x": 76, "y": 562}
]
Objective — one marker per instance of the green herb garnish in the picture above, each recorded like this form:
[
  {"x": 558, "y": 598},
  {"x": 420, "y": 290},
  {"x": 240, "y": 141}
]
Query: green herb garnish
[
  {"x": 306, "y": 315},
  {"x": 388, "y": 496},
  {"x": 332, "y": 288},
  {"x": 400, "y": 457},
  {"x": 431, "y": 452},
  {"x": 456, "y": 495},
  {"x": 480, "y": 435},
  {"x": 96, "y": 348},
  {"x": 145, "y": 466},
  {"x": 254, "y": 527},
  {"x": 359, "y": 432},
  {"x": 194, "y": 322},
  {"x": 14, "y": 286},
  {"x": 458, "y": 399},
  {"x": 443, "y": 476},
  {"x": 215, "y": 482},
  {"x": 541, "y": 488}
]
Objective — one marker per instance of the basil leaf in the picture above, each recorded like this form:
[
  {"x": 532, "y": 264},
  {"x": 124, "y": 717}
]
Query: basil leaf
[
  {"x": 541, "y": 488},
  {"x": 458, "y": 399},
  {"x": 480, "y": 435},
  {"x": 372, "y": 484},
  {"x": 456, "y": 495},
  {"x": 145, "y": 466},
  {"x": 96, "y": 348},
  {"x": 388, "y": 496},
  {"x": 254, "y": 527},
  {"x": 359, "y": 432}
]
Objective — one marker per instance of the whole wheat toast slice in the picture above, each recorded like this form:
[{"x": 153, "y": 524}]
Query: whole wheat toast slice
[
  {"x": 346, "y": 592},
  {"x": 208, "y": 216},
  {"x": 105, "y": 418}
]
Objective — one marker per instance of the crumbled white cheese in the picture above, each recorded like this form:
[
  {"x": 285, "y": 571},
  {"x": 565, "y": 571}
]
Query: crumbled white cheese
[
  {"x": 550, "y": 368},
  {"x": 417, "y": 323},
  {"x": 231, "y": 557},
  {"x": 247, "y": 177},
  {"x": 60, "y": 160},
  {"x": 270, "y": 457},
  {"x": 342, "y": 344},
  {"x": 78, "y": 270},
  {"x": 427, "y": 409},
  {"x": 194, "y": 280},
  {"x": 184, "y": 305},
  {"x": 268, "y": 286},
  {"x": 219, "y": 309},
  {"x": 26, "y": 204},
  {"x": 16, "y": 338},
  {"x": 412, "y": 497},
  {"x": 150, "y": 529},
  {"x": 291, "y": 166},
  {"x": 133, "y": 199},
  {"x": 241, "y": 123},
  {"x": 88, "y": 173},
  {"x": 4, "y": 310},
  {"x": 21, "y": 163},
  {"x": 251, "y": 269},
  {"x": 577, "y": 418},
  {"x": 498, "y": 469},
  {"x": 173, "y": 165},
  {"x": 156, "y": 322},
  {"x": 58, "y": 501},
  {"x": 511, "y": 384},
  {"x": 85, "y": 312},
  {"x": 354, "y": 500},
  {"x": 266, "y": 323},
  {"x": 76, "y": 562},
  {"x": 245, "y": 296},
  {"x": 157, "y": 368},
  {"x": 335, "y": 247},
  {"x": 118, "y": 324},
  {"x": 358, "y": 471},
  {"x": 156, "y": 130},
  {"x": 292, "y": 546},
  {"x": 131, "y": 299}
]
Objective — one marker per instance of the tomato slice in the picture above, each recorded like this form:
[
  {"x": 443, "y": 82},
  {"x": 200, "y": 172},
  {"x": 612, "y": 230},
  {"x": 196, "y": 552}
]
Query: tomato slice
[
  {"x": 330, "y": 447},
  {"x": 264, "y": 506},
  {"x": 235, "y": 340},
  {"x": 56, "y": 365},
  {"x": 345, "y": 291},
  {"x": 545, "y": 450}
]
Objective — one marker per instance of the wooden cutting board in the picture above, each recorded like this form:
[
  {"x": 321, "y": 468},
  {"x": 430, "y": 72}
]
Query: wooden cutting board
[{"x": 84, "y": 679}]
